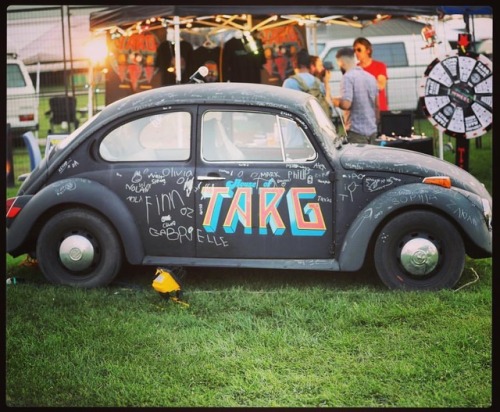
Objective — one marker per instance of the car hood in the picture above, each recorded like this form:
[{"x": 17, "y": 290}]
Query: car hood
[{"x": 401, "y": 161}]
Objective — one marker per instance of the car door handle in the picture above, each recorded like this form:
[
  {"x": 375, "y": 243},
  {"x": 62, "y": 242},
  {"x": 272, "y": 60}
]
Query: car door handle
[{"x": 210, "y": 178}]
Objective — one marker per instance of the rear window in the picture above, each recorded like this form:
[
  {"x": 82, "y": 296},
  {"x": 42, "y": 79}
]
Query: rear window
[
  {"x": 15, "y": 76},
  {"x": 159, "y": 137},
  {"x": 392, "y": 54}
]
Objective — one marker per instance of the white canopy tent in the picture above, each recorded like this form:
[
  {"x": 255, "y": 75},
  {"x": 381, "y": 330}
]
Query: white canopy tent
[
  {"x": 128, "y": 19},
  {"x": 50, "y": 42}
]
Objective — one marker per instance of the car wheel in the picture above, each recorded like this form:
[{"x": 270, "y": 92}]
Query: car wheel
[
  {"x": 79, "y": 248},
  {"x": 419, "y": 250}
]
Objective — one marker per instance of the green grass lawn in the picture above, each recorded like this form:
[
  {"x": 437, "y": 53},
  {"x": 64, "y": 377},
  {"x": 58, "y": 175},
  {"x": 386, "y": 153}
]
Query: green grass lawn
[{"x": 251, "y": 338}]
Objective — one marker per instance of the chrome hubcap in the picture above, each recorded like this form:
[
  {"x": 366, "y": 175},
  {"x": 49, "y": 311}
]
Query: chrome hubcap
[
  {"x": 76, "y": 253},
  {"x": 419, "y": 256}
]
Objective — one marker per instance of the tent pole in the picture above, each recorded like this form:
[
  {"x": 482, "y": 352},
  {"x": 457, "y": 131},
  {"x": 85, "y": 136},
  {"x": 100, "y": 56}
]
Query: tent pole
[
  {"x": 71, "y": 68},
  {"x": 440, "y": 132},
  {"x": 90, "y": 109},
  {"x": 312, "y": 42},
  {"x": 64, "y": 11},
  {"x": 37, "y": 90},
  {"x": 177, "y": 49},
  {"x": 441, "y": 155}
]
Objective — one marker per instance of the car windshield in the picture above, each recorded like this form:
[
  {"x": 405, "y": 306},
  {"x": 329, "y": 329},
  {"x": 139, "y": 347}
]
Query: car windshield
[{"x": 326, "y": 130}]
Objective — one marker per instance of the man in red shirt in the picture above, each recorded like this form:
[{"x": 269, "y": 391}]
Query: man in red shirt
[{"x": 363, "y": 49}]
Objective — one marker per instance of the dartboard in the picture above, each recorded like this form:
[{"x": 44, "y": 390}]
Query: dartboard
[{"x": 457, "y": 94}]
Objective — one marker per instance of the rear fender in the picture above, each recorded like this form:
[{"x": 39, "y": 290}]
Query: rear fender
[
  {"x": 74, "y": 192},
  {"x": 461, "y": 207}
]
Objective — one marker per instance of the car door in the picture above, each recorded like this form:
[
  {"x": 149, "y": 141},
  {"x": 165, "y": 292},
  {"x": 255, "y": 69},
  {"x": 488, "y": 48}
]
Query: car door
[
  {"x": 263, "y": 188},
  {"x": 153, "y": 173}
]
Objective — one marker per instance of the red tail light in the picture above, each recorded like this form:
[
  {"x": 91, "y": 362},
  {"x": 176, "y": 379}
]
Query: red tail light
[
  {"x": 26, "y": 117},
  {"x": 12, "y": 210}
]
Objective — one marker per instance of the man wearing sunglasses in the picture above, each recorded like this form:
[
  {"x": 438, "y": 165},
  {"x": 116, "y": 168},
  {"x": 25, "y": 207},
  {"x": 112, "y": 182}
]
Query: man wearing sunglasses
[{"x": 363, "y": 49}]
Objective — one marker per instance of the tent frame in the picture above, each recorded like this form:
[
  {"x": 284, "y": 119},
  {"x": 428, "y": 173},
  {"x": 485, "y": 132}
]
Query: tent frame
[{"x": 222, "y": 17}]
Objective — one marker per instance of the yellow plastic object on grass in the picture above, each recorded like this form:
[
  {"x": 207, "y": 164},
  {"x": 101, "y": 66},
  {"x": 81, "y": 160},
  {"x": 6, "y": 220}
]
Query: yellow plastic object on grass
[{"x": 165, "y": 283}]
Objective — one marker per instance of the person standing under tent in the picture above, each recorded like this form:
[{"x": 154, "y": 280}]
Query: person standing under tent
[
  {"x": 306, "y": 82},
  {"x": 359, "y": 99},
  {"x": 317, "y": 69},
  {"x": 363, "y": 49},
  {"x": 165, "y": 59}
]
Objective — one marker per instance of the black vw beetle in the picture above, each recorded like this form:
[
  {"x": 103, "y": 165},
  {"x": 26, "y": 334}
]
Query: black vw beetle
[{"x": 243, "y": 175}]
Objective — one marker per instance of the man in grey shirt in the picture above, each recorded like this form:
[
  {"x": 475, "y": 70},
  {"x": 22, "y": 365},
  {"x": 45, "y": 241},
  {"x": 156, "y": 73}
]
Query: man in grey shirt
[{"x": 359, "y": 99}]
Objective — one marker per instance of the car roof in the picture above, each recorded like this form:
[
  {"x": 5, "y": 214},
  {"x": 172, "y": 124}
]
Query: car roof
[{"x": 211, "y": 93}]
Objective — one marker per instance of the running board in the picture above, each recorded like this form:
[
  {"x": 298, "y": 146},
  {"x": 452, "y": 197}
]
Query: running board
[{"x": 296, "y": 264}]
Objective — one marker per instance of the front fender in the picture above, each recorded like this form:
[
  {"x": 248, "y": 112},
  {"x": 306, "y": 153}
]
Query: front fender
[
  {"x": 77, "y": 191},
  {"x": 461, "y": 207}
]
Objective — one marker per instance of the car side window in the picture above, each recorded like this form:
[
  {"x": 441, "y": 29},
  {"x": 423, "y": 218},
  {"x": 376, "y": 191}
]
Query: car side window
[
  {"x": 159, "y": 137},
  {"x": 392, "y": 54},
  {"x": 235, "y": 136},
  {"x": 15, "y": 77}
]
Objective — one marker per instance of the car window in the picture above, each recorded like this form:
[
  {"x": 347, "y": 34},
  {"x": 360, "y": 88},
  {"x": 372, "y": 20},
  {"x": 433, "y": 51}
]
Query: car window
[
  {"x": 392, "y": 54},
  {"x": 164, "y": 136},
  {"x": 235, "y": 136},
  {"x": 15, "y": 77}
]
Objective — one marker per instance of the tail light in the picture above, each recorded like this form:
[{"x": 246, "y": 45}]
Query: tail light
[
  {"x": 11, "y": 208},
  {"x": 26, "y": 117}
]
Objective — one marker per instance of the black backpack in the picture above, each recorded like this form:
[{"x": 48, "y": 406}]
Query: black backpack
[{"x": 315, "y": 90}]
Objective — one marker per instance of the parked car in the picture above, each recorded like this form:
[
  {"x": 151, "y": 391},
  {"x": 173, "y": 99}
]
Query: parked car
[
  {"x": 243, "y": 175},
  {"x": 406, "y": 59},
  {"x": 22, "y": 100}
]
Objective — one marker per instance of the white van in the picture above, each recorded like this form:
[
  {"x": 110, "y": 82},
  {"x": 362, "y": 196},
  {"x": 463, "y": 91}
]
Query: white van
[
  {"x": 406, "y": 62},
  {"x": 22, "y": 100}
]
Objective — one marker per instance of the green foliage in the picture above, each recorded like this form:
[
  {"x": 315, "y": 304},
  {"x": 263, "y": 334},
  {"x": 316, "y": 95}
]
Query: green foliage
[
  {"x": 480, "y": 151},
  {"x": 250, "y": 338}
]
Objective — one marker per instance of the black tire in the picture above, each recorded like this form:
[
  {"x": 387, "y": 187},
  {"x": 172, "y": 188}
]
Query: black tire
[
  {"x": 74, "y": 233},
  {"x": 419, "y": 250}
]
